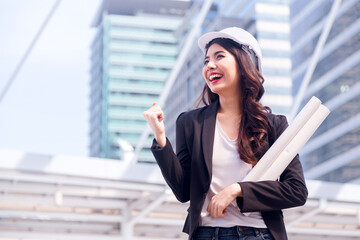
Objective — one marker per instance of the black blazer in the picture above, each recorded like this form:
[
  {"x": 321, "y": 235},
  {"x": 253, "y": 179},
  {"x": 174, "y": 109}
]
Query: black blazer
[{"x": 189, "y": 171}]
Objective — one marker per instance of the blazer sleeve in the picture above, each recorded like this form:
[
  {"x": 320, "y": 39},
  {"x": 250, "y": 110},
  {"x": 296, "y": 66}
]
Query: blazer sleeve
[
  {"x": 289, "y": 191},
  {"x": 175, "y": 168}
]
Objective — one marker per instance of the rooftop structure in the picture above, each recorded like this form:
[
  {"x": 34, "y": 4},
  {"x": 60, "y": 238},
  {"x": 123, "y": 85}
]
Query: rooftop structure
[{"x": 56, "y": 197}]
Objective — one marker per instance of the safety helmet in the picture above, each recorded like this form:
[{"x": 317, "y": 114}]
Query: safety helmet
[{"x": 247, "y": 42}]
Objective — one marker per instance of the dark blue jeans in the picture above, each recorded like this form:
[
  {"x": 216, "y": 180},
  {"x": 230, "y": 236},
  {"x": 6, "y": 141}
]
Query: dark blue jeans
[{"x": 232, "y": 233}]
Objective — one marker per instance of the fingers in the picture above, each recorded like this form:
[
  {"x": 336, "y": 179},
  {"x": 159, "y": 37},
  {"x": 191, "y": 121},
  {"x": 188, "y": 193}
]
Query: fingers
[
  {"x": 220, "y": 201},
  {"x": 160, "y": 116},
  {"x": 216, "y": 208},
  {"x": 154, "y": 113},
  {"x": 154, "y": 108},
  {"x": 155, "y": 116}
]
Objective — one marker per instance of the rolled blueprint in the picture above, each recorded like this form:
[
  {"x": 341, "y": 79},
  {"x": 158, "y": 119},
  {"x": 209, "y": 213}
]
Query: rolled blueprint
[
  {"x": 287, "y": 155},
  {"x": 289, "y": 143}
]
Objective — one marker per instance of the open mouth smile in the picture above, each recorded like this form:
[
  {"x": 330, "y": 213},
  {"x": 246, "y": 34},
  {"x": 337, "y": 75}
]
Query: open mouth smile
[{"x": 215, "y": 77}]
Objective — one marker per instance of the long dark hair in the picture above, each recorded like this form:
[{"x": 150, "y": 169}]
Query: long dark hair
[{"x": 254, "y": 117}]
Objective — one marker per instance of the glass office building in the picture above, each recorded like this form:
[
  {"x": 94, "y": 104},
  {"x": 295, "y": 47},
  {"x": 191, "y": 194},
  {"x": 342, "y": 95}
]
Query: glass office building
[
  {"x": 133, "y": 53},
  {"x": 333, "y": 153}
]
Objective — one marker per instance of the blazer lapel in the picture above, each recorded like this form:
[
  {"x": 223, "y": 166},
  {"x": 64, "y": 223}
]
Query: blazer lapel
[{"x": 208, "y": 133}]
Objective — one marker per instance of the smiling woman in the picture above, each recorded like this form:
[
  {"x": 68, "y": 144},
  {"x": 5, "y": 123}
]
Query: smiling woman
[
  {"x": 218, "y": 145},
  {"x": 240, "y": 84},
  {"x": 221, "y": 71}
]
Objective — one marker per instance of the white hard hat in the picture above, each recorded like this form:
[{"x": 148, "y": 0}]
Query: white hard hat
[{"x": 248, "y": 43}]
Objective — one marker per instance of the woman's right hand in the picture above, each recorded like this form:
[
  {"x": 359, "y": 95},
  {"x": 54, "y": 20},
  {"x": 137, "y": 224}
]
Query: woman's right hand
[{"x": 154, "y": 116}]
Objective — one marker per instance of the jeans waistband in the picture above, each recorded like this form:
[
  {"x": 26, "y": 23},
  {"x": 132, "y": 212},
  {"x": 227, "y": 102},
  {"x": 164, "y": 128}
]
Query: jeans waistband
[{"x": 225, "y": 231}]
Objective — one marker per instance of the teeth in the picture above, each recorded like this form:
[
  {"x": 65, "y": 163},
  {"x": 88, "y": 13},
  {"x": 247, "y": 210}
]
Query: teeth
[{"x": 215, "y": 76}]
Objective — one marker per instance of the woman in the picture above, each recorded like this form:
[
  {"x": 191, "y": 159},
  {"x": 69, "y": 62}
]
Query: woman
[{"x": 217, "y": 145}]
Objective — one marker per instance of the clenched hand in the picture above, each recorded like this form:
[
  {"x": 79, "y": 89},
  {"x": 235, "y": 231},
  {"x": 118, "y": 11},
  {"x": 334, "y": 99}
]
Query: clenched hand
[
  {"x": 154, "y": 116},
  {"x": 219, "y": 202}
]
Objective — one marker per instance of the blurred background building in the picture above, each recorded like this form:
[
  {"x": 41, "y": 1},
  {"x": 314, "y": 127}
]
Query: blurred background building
[
  {"x": 326, "y": 63},
  {"x": 309, "y": 48},
  {"x": 134, "y": 50}
]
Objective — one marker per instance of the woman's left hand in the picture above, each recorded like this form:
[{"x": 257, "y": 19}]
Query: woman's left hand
[{"x": 219, "y": 202}]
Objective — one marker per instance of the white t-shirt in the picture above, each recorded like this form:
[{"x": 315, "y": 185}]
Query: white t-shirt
[{"x": 227, "y": 168}]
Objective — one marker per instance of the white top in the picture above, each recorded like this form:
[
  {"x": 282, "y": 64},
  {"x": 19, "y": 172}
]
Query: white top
[{"x": 227, "y": 168}]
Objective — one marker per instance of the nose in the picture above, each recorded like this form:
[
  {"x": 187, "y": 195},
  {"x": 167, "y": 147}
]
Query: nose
[{"x": 210, "y": 65}]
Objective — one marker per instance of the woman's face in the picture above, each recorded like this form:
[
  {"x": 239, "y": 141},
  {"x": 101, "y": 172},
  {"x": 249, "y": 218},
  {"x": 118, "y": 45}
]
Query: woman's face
[{"x": 221, "y": 71}]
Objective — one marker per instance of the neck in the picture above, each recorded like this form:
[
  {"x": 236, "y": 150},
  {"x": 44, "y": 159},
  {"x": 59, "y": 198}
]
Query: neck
[{"x": 230, "y": 105}]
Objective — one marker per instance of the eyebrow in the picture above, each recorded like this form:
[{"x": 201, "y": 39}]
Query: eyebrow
[{"x": 221, "y": 51}]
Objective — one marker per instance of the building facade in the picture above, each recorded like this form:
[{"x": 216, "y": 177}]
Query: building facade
[
  {"x": 333, "y": 153},
  {"x": 133, "y": 53}
]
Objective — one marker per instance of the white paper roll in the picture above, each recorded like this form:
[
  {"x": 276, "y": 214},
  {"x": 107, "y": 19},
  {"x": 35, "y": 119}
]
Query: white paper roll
[
  {"x": 294, "y": 146},
  {"x": 279, "y": 145},
  {"x": 289, "y": 143}
]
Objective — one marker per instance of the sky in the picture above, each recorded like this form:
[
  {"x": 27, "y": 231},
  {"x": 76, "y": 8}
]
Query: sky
[{"x": 46, "y": 110}]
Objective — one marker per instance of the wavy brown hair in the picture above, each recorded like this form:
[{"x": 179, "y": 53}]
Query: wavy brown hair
[{"x": 254, "y": 116}]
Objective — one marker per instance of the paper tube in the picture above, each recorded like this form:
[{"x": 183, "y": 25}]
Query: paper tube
[
  {"x": 294, "y": 146},
  {"x": 289, "y": 143},
  {"x": 304, "y": 116}
]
